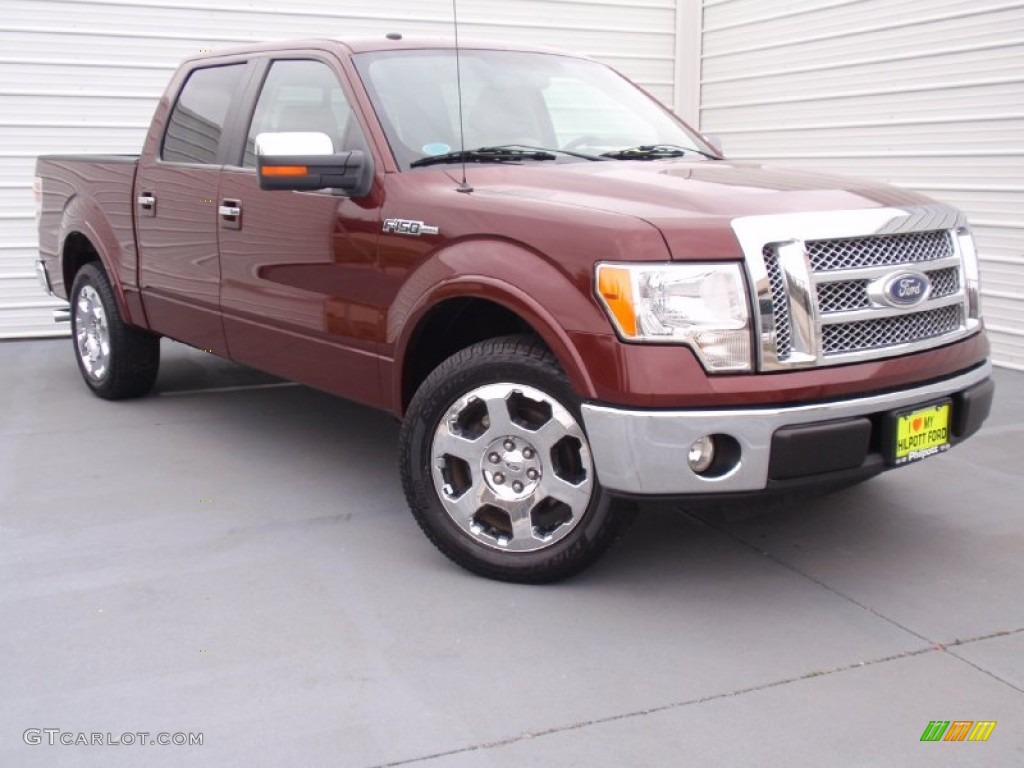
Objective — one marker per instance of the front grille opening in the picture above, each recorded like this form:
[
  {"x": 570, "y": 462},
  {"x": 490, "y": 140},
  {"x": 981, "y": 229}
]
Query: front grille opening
[
  {"x": 850, "y": 295},
  {"x": 780, "y": 305},
  {"x": 879, "y": 250},
  {"x": 843, "y": 296},
  {"x": 945, "y": 282},
  {"x": 841, "y": 338}
]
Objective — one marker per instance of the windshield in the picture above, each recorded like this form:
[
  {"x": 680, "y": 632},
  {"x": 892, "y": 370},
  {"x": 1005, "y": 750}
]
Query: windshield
[{"x": 511, "y": 98}]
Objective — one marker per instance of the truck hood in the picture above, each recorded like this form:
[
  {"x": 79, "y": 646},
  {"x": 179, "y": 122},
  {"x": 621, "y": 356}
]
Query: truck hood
[{"x": 691, "y": 202}]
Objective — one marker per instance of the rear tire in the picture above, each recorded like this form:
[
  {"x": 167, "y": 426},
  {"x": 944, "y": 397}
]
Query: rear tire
[
  {"x": 116, "y": 361},
  {"x": 497, "y": 468}
]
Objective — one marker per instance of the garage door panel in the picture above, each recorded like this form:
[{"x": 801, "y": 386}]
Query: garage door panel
[
  {"x": 1007, "y": 276},
  {"x": 52, "y": 106},
  {"x": 979, "y": 204},
  {"x": 878, "y": 105},
  {"x": 1010, "y": 341},
  {"x": 16, "y": 200},
  {"x": 1000, "y": 311},
  {"x": 725, "y": 13},
  {"x": 869, "y": 20},
  {"x": 799, "y": 78},
  {"x": 936, "y": 137},
  {"x": 421, "y": 16},
  {"x": 92, "y": 77},
  {"x": 999, "y": 240},
  {"x": 722, "y": 60},
  {"x": 16, "y": 258},
  {"x": 105, "y": 138},
  {"x": 18, "y": 229},
  {"x": 998, "y": 170}
]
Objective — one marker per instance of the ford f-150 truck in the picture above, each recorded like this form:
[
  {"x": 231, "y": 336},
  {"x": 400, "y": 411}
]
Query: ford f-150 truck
[{"x": 572, "y": 300}]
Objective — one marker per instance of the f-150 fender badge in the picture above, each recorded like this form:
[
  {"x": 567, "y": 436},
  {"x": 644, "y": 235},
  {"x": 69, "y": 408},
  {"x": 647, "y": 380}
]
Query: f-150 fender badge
[
  {"x": 407, "y": 227},
  {"x": 900, "y": 290}
]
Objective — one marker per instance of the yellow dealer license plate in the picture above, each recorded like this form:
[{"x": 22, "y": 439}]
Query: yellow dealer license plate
[{"x": 921, "y": 433}]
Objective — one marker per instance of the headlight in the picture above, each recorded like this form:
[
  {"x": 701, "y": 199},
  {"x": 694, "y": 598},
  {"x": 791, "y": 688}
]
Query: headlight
[{"x": 701, "y": 305}]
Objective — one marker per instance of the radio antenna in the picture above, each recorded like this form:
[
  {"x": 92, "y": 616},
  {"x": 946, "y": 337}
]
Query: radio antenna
[{"x": 463, "y": 185}]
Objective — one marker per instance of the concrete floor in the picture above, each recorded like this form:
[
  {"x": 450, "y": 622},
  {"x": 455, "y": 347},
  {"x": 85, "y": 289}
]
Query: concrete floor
[{"x": 234, "y": 558}]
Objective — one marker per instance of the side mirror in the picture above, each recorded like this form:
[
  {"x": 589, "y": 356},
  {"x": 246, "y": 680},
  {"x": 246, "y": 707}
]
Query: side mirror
[
  {"x": 715, "y": 141},
  {"x": 307, "y": 161}
]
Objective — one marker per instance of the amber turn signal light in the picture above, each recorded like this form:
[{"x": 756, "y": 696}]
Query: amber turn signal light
[
  {"x": 615, "y": 285},
  {"x": 284, "y": 170}
]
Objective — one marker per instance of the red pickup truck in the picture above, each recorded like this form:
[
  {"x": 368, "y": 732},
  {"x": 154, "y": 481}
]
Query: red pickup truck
[{"x": 570, "y": 298}]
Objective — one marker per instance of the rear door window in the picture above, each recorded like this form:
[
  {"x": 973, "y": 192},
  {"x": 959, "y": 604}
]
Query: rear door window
[{"x": 196, "y": 123}]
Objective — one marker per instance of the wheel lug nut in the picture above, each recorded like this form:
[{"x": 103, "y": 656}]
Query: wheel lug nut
[
  {"x": 499, "y": 478},
  {"x": 509, "y": 445},
  {"x": 527, "y": 453},
  {"x": 531, "y": 473},
  {"x": 494, "y": 458},
  {"x": 517, "y": 486}
]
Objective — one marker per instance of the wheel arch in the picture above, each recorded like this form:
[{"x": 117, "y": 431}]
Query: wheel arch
[
  {"x": 86, "y": 235},
  {"x": 77, "y": 251},
  {"x": 479, "y": 307}
]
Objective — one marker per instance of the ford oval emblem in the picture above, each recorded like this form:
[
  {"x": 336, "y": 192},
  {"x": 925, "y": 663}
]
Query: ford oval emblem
[{"x": 902, "y": 289}]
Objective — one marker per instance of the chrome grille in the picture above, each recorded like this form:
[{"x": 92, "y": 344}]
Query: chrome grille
[
  {"x": 878, "y": 250},
  {"x": 824, "y": 283},
  {"x": 863, "y": 335},
  {"x": 783, "y": 330},
  {"x": 842, "y": 296},
  {"x": 945, "y": 282},
  {"x": 848, "y": 295}
]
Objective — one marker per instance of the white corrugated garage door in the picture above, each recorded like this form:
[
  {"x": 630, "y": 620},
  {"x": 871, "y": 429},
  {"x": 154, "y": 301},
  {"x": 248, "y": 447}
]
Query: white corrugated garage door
[
  {"x": 927, "y": 94},
  {"x": 85, "y": 76}
]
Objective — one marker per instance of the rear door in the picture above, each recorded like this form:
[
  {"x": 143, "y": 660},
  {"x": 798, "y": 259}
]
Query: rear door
[
  {"x": 300, "y": 285},
  {"x": 176, "y": 209}
]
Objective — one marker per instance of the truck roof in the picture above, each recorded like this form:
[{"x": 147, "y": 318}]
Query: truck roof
[{"x": 367, "y": 44}]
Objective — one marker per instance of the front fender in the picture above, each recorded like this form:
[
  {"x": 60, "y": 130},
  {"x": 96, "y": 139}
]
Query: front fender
[{"x": 553, "y": 301}]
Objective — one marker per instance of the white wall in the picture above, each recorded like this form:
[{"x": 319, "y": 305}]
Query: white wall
[{"x": 926, "y": 94}]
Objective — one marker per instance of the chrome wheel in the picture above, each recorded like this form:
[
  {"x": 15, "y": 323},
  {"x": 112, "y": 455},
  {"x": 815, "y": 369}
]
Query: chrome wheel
[
  {"x": 92, "y": 335},
  {"x": 512, "y": 467}
]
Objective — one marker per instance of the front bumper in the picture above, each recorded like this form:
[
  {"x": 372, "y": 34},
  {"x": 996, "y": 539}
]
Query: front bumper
[{"x": 644, "y": 452}]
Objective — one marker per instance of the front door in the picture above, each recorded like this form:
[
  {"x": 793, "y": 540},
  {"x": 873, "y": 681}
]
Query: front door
[
  {"x": 298, "y": 269},
  {"x": 175, "y": 211}
]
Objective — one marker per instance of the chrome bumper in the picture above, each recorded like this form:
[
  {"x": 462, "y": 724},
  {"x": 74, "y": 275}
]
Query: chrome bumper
[
  {"x": 43, "y": 277},
  {"x": 63, "y": 314},
  {"x": 644, "y": 452}
]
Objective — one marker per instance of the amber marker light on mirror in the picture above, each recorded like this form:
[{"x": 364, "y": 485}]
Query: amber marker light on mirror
[
  {"x": 285, "y": 170},
  {"x": 615, "y": 287}
]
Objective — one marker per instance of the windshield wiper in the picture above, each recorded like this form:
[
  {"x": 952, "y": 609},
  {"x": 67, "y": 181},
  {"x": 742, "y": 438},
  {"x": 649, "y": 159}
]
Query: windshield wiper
[
  {"x": 571, "y": 153},
  {"x": 655, "y": 152},
  {"x": 484, "y": 155}
]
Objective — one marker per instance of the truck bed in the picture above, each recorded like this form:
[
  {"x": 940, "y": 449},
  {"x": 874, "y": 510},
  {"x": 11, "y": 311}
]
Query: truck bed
[{"x": 93, "y": 188}]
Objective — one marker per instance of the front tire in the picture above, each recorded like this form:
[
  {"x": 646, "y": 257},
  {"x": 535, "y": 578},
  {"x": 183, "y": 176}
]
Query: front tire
[
  {"x": 116, "y": 360},
  {"x": 497, "y": 468}
]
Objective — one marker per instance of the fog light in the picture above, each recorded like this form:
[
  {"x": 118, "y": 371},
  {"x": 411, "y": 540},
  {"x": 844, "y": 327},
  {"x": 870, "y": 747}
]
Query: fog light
[{"x": 701, "y": 454}]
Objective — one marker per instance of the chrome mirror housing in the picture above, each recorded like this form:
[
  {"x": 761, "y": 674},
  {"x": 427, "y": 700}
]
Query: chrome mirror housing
[{"x": 303, "y": 143}]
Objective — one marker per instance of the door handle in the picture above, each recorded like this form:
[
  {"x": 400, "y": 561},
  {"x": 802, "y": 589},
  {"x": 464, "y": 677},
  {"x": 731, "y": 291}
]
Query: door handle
[
  {"x": 147, "y": 202},
  {"x": 230, "y": 212}
]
